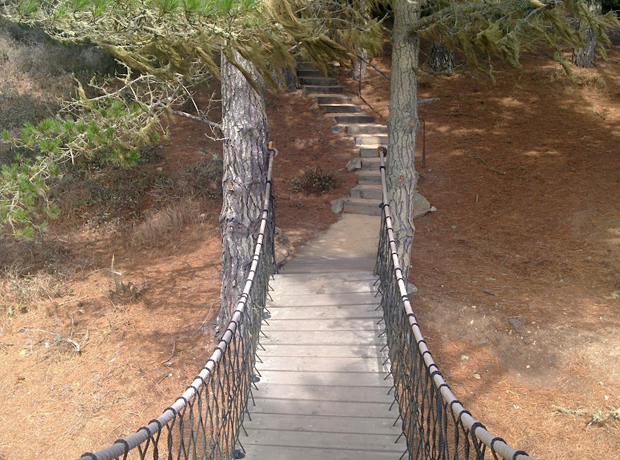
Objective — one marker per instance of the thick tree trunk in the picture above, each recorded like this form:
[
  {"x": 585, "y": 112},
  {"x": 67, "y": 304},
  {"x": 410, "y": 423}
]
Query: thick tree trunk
[
  {"x": 402, "y": 125},
  {"x": 441, "y": 59},
  {"x": 586, "y": 56},
  {"x": 244, "y": 126}
]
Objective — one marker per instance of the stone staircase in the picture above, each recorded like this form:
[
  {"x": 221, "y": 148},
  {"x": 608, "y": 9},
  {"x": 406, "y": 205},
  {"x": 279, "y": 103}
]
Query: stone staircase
[{"x": 350, "y": 120}]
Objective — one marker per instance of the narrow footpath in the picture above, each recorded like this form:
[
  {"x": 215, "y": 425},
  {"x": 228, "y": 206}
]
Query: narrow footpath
[{"x": 323, "y": 391}]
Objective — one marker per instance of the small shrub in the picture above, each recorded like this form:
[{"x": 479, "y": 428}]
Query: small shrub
[
  {"x": 202, "y": 180},
  {"x": 123, "y": 292},
  {"x": 165, "y": 225},
  {"x": 314, "y": 180},
  {"x": 20, "y": 293}
]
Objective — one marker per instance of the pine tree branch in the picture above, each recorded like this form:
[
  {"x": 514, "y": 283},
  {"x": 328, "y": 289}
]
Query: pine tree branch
[{"x": 200, "y": 119}]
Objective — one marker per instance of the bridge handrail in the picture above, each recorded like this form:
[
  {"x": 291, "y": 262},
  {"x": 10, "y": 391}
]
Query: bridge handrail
[
  {"x": 474, "y": 430},
  {"x": 152, "y": 431}
]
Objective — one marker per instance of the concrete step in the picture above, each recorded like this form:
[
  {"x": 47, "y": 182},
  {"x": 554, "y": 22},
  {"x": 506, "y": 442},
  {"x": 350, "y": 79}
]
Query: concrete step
[
  {"x": 351, "y": 119},
  {"x": 318, "y": 89},
  {"x": 331, "y": 98},
  {"x": 341, "y": 108},
  {"x": 372, "y": 192},
  {"x": 369, "y": 151},
  {"x": 318, "y": 81},
  {"x": 363, "y": 206},
  {"x": 305, "y": 73},
  {"x": 366, "y": 139},
  {"x": 364, "y": 128},
  {"x": 306, "y": 66},
  {"x": 371, "y": 163},
  {"x": 369, "y": 178}
]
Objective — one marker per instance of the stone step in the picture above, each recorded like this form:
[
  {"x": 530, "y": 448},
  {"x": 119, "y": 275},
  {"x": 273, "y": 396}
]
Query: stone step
[
  {"x": 341, "y": 108},
  {"x": 363, "y": 206},
  {"x": 372, "y": 192},
  {"x": 304, "y": 73},
  {"x": 364, "y": 128},
  {"x": 366, "y": 139},
  {"x": 331, "y": 98},
  {"x": 306, "y": 66},
  {"x": 314, "y": 89},
  {"x": 318, "y": 81},
  {"x": 368, "y": 151},
  {"x": 371, "y": 163},
  {"x": 351, "y": 119},
  {"x": 369, "y": 178}
]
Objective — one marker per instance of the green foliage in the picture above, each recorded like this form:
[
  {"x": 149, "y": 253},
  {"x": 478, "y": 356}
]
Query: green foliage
[
  {"x": 169, "y": 37},
  {"x": 314, "y": 180},
  {"x": 107, "y": 130},
  {"x": 480, "y": 28}
]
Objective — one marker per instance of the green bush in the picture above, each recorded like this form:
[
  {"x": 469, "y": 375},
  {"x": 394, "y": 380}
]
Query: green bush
[{"x": 314, "y": 180}]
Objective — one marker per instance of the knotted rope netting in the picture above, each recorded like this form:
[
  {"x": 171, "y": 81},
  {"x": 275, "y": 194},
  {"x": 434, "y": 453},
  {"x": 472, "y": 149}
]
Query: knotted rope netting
[
  {"x": 435, "y": 424},
  {"x": 204, "y": 422}
]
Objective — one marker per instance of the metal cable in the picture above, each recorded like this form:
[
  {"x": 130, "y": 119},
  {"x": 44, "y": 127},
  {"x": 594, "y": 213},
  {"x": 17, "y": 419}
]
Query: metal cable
[
  {"x": 204, "y": 422},
  {"x": 436, "y": 425}
]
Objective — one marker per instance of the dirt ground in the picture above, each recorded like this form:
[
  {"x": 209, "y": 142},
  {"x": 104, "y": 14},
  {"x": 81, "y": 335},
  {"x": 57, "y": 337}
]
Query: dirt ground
[{"x": 518, "y": 271}]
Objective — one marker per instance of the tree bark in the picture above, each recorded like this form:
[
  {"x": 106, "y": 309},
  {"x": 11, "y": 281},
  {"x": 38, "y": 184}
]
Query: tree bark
[
  {"x": 586, "y": 56},
  {"x": 402, "y": 125},
  {"x": 360, "y": 66},
  {"x": 244, "y": 127},
  {"x": 441, "y": 59}
]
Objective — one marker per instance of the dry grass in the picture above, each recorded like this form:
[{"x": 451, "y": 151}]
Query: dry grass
[
  {"x": 202, "y": 180},
  {"x": 36, "y": 73},
  {"x": 584, "y": 78},
  {"x": 31, "y": 271},
  {"x": 19, "y": 294},
  {"x": 164, "y": 226}
]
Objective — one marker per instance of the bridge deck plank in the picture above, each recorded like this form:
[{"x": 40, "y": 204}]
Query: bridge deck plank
[{"x": 322, "y": 391}]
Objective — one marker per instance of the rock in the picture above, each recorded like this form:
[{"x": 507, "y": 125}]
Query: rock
[
  {"x": 433, "y": 209},
  {"x": 518, "y": 323},
  {"x": 337, "y": 205},
  {"x": 284, "y": 249},
  {"x": 315, "y": 107},
  {"x": 411, "y": 288},
  {"x": 354, "y": 164},
  {"x": 420, "y": 205}
]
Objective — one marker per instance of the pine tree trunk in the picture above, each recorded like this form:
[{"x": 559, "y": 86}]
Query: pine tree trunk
[
  {"x": 586, "y": 56},
  {"x": 402, "y": 125},
  {"x": 441, "y": 59},
  {"x": 244, "y": 126}
]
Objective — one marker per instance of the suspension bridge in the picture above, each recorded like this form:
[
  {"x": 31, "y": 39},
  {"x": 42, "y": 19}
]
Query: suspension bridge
[{"x": 325, "y": 360}]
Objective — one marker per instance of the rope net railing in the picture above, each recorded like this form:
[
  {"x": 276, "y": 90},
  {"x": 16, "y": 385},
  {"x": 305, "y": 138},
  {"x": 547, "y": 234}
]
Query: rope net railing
[
  {"x": 204, "y": 422},
  {"x": 434, "y": 423}
]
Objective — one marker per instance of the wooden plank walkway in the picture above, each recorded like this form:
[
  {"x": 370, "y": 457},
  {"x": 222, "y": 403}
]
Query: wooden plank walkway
[{"x": 322, "y": 393}]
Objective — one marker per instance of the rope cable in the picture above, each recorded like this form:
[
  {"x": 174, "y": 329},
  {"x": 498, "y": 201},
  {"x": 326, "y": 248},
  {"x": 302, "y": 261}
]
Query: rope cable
[
  {"x": 221, "y": 417},
  {"x": 416, "y": 376}
]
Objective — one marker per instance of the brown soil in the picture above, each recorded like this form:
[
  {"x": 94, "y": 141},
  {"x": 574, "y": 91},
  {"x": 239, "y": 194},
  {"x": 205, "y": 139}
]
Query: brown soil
[
  {"x": 139, "y": 345},
  {"x": 518, "y": 271}
]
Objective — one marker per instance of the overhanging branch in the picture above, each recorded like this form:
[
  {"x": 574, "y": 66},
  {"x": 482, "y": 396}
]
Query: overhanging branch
[{"x": 200, "y": 119}]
